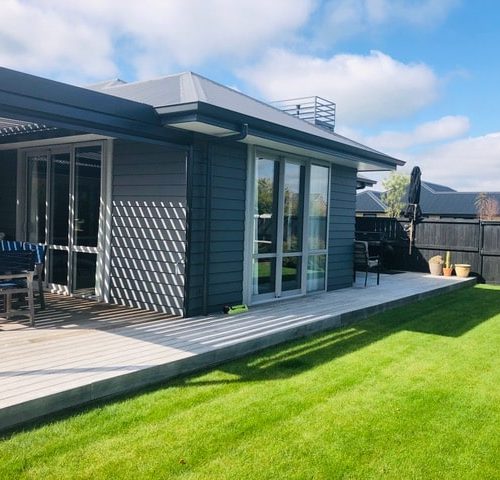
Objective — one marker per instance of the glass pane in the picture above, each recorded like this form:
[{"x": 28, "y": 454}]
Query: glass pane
[
  {"x": 316, "y": 269},
  {"x": 87, "y": 195},
  {"x": 291, "y": 273},
  {"x": 60, "y": 198},
  {"x": 264, "y": 274},
  {"x": 84, "y": 268},
  {"x": 37, "y": 198},
  {"x": 318, "y": 207},
  {"x": 293, "y": 199},
  {"x": 58, "y": 272},
  {"x": 265, "y": 208}
]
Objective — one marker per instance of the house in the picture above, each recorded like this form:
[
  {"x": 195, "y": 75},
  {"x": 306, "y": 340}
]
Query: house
[
  {"x": 436, "y": 201},
  {"x": 363, "y": 182},
  {"x": 176, "y": 194}
]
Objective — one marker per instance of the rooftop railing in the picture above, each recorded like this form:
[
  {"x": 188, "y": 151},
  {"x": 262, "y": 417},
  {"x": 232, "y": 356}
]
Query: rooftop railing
[{"x": 315, "y": 110}]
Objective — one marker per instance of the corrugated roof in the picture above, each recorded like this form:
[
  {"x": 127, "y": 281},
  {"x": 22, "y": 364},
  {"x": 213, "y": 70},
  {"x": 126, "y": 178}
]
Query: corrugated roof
[{"x": 188, "y": 87}]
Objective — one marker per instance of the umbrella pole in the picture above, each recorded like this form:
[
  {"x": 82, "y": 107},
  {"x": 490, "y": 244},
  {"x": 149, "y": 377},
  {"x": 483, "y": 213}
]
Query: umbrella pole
[{"x": 411, "y": 235}]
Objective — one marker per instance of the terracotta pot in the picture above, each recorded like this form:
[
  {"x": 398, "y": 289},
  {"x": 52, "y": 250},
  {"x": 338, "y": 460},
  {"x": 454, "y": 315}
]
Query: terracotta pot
[
  {"x": 436, "y": 268},
  {"x": 462, "y": 270},
  {"x": 447, "y": 272}
]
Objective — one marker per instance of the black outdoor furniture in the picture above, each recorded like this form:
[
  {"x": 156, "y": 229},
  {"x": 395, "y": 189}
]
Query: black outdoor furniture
[
  {"x": 39, "y": 251},
  {"x": 363, "y": 261},
  {"x": 17, "y": 269}
]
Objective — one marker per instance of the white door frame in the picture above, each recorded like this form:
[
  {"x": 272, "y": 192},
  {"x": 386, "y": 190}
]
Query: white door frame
[
  {"x": 248, "y": 256},
  {"x": 103, "y": 244}
]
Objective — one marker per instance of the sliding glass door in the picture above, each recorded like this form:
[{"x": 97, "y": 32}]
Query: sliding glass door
[
  {"x": 289, "y": 228},
  {"x": 63, "y": 212}
]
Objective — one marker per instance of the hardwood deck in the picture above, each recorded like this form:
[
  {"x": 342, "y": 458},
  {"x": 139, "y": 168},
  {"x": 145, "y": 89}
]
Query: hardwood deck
[{"x": 81, "y": 351}]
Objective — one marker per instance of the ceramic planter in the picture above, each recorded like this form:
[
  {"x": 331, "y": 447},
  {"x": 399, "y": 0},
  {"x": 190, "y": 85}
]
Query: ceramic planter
[
  {"x": 447, "y": 271},
  {"x": 462, "y": 270},
  {"x": 436, "y": 268}
]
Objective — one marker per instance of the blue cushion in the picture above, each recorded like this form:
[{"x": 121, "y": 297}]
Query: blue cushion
[
  {"x": 38, "y": 249},
  {"x": 10, "y": 245}
]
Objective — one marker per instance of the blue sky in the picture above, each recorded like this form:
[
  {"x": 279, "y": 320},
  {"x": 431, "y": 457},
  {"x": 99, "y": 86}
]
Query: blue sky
[{"x": 418, "y": 79}]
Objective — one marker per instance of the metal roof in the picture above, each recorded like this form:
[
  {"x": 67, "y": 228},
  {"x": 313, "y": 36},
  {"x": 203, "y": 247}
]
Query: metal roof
[
  {"x": 29, "y": 103},
  {"x": 188, "y": 101},
  {"x": 166, "y": 94}
]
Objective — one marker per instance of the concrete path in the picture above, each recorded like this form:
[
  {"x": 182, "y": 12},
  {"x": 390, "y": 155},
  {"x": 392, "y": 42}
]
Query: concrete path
[{"x": 81, "y": 351}]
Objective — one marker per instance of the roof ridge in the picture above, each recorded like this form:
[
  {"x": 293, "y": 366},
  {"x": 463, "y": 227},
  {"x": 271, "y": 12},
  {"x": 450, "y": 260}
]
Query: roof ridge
[
  {"x": 371, "y": 193},
  {"x": 268, "y": 105}
]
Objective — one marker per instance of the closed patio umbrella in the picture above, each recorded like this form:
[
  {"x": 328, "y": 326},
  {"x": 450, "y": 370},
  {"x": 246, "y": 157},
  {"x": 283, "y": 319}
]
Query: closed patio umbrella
[{"x": 413, "y": 211}]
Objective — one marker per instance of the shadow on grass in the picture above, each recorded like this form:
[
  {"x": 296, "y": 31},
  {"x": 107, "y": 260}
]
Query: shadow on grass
[{"x": 450, "y": 315}]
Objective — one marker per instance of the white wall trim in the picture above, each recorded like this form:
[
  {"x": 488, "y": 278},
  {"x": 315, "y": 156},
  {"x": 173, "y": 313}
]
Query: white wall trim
[
  {"x": 248, "y": 245},
  {"x": 106, "y": 219}
]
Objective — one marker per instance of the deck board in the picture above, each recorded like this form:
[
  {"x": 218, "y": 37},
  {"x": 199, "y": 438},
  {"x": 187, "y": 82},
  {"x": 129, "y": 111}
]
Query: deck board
[{"x": 81, "y": 351}]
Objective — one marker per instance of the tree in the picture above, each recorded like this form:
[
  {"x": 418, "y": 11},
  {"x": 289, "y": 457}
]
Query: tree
[
  {"x": 487, "y": 207},
  {"x": 396, "y": 186}
]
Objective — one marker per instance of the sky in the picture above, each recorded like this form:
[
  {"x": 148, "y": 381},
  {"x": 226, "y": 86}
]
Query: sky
[{"x": 416, "y": 79}]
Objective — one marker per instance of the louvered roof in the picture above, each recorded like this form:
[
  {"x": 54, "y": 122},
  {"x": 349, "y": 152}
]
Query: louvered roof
[{"x": 9, "y": 127}]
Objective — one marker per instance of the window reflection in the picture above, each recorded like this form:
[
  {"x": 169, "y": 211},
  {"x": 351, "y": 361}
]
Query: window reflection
[
  {"x": 87, "y": 195},
  {"x": 316, "y": 270},
  {"x": 318, "y": 207},
  {"x": 266, "y": 205},
  {"x": 264, "y": 275},
  {"x": 37, "y": 194},
  {"x": 293, "y": 202},
  {"x": 291, "y": 273}
]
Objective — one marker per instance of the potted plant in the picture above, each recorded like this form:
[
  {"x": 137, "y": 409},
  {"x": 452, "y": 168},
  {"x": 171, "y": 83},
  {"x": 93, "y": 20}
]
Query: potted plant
[
  {"x": 448, "y": 267},
  {"x": 436, "y": 265},
  {"x": 462, "y": 270}
]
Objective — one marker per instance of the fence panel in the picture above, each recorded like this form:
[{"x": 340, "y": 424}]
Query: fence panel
[
  {"x": 490, "y": 252},
  {"x": 469, "y": 241}
]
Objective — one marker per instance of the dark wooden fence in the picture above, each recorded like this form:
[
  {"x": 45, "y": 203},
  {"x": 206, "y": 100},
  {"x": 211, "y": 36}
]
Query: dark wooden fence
[{"x": 470, "y": 241}]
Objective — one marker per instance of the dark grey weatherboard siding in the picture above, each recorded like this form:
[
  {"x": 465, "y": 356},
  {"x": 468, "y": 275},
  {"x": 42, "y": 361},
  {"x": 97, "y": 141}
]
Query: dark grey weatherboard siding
[
  {"x": 148, "y": 237},
  {"x": 215, "y": 273},
  {"x": 8, "y": 176},
  {"x": 342, "y": 225}
]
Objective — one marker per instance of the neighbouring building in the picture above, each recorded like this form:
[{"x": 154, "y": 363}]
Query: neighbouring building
[{"x": 436, "y": 201}]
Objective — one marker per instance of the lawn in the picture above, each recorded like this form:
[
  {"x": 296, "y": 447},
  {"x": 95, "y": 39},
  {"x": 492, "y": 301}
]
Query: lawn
[{"x": 412, "y": 393}]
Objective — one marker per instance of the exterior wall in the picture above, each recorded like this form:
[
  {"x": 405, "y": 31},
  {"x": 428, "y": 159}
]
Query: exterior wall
[
  {"x": 148, "y": 228},
  {"x": 217, "y": 225},
  {"x": 8, "y": 176},
  {"x": 342, "y": 225}
]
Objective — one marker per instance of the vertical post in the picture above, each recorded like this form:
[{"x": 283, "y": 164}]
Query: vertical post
[{"x": 480, "y": 247}]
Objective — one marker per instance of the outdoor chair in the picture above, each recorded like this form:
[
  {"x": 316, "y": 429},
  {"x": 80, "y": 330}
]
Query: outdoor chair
[
  {"x": 16, "y": 277},
  {"x": 364, "y": 262},
  {"x": 39, "y": 251},
  {"x": 39, "y": 258}
]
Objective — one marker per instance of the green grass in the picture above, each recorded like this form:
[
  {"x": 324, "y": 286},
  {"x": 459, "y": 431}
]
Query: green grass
[{"x": 409, "y": 394}]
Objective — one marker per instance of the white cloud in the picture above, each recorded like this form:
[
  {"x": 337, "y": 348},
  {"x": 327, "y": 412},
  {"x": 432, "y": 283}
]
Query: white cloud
[
  {"x": 439, "y": 130},
  {"x": 346, "y": 18},
  {"x": 38, "y": 40},
  {"x": 470, "y": 164},
  {"x": 366, "y": 88},
  {"x": 49, "y": 35}
]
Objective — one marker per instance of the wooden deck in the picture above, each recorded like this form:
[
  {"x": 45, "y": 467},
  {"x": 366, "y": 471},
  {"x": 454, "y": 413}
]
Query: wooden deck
[{"x": 81, "y": 351}]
